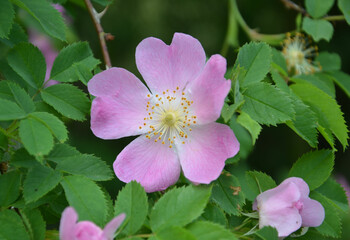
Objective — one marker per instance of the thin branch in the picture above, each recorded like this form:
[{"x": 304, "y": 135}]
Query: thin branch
[
  {"x": 292, "y": 5},
  {"x": 334, "y": 18},
  {"x": 101, "y": 34}
]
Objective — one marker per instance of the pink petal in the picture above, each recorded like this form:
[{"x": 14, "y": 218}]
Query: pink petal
[
  {"x": 301, "y": 184},
  {"x": 112, "y": 226},
  {"x": 312, "y": 213},
  {"x": 167, "y": 67},
  {"x": 67, "y": 223},
  {"x": 209, "y": 90},
  {"x": 285, "y": 220},
  {"x": 203, "y": 156},
  {"x": 153, "y": 165},
  {"x": 86, "y": 230}
]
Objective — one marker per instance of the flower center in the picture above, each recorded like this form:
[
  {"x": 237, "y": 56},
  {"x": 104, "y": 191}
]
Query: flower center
[
  {"x": 299, "y": 205},
  {"x": 169, "y": 117}
]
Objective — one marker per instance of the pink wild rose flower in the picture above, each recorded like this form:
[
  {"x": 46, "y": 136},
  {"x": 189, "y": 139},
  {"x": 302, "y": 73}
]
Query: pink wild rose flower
[
  {"x": 288, "y": 207},
  {"x": 175, "y": 118},
  {"x": 70, "y": 229}
]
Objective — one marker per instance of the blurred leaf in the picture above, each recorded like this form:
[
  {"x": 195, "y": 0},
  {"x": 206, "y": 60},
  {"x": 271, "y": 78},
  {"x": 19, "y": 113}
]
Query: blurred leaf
[
  {"x": 67, "y": 99},
  {"x": 267, "y": 233},
  {"x": 256, "y": 59},
  {"x": 252, "y": 126},
  {"x": 243, "y": 137},
  {"x": 3, "y": 141},
  {"x": 208, "y": 231},
  {"x": 279, "y": 81},
  {"x": 257, "y": 182},
  {"x": 86, "y": 197},
  {"x": 179, "y": 206},
  {"x": 335, "y": 192},
  {"x": 21, "y": 158},
  {"x": 7, "y": 15},
  {"x": 9, "y": 185},
  {"x": 267, "y": 105},
  {"x": 227, "y": 111},
  {"x": 28, "y": 62},
  {"x": 103, "y": 2},
  {"x": 279, "y": 60},
  {"x": 318, "y": 29},
  {"x": 344, "y": 6},
  {"x": 318, "y": 8},
  {"x": 11, "y": 226},
  {"x": 35, "y": 136},
  {"x": 321, "y": 84},
  {"x": 214, "y": 214},
  {"x": 10, "y": 110},
  {"x": 35, "y": 223},
  {"x": 132, "y": 200},
  {"x": 16, "y": 36},
  {"x": 48, "y": 17},
  {"x": 39, "y": 181},
  {"x": 314, "y": 167},
  {"x": 72, "y": 62},
  {"x": 342, "y": 80},
  {"x": 329, "y": 61},
  {"x": 175, "y": 233}
]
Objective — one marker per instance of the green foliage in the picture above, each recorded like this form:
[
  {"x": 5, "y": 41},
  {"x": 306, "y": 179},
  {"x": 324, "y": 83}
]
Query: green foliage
[
  {"x": 214, "y": 214},
  {"x": 257, "y": 182},
  {"x": 11, "y": 226},
  {"x": 335, "y": 192},
  {"x": 208, "y": 231},
  {"x": 86, "y": 197},
  {"x": 344, "y": 6},
  {"x": 228, "y": 111},
  {"x": 314, "y": 167},
  {"x": 179, "y": 207},
  {"x": 16, "y": 36},
  {"x": 9, "y": 185},
  {"x": 267, "y": 233},
  {"x": 318, "y": 29},
  {"x": 34, "y": 223},
  {"x": 325, "y": 84},
  {"x": 342, "y": 80},
  {"x": 20, "y": 96},
  {"x": 252, "y": 126},
  {"x": 175, "y": 233},
  {"x": 329, "y": 61},
  {"x": 7, "y": 15},
  {"x": 227, "y": 194},
  {"x": 132, "y": 200},
  {"x": 67, "y": 99},
  {"x": 317, "y": 8},
  {"x": 10, "y": 110}
]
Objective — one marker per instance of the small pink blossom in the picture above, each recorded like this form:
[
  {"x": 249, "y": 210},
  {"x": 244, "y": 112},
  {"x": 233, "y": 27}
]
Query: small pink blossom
[
  {"x": 175, "y": 117},
  {"x": 288, "y": 207},
  {"x": 70, "y": 229}
]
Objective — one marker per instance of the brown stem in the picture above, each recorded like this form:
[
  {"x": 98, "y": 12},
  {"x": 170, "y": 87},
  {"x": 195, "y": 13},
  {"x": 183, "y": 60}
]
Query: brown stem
[
  {"x": 100, "y": 32},
  {"x": 292, "y": 5}
]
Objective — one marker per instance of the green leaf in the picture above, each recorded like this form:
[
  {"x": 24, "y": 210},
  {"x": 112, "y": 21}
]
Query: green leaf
[
  {"x": 278, "y": 61},
  {"x": 3, "y": 141},
  {"x": 35, "y": 223},
  {"x": 322, "y": 84},
  {"x": 257, "y": 182},
  {"x": 175, "y": 233},
  {"x": 73, "y": 61},
  {"x": 344, "y": 6},
  {"x": 267, "y": 233},
  {"x": 103, "y": 2},
  {"x": 16, "y": 36},
  {"x": 342, "y": 80},
  {"x": 209, "y": 231},
  {"x": 228, "y": 111},
  {"x": 214, "y": 214},
  {"x": 27, "y": 60},
  {"x": 243, "y": 137},
  {"x": 39, "y": 181},
  {"x": 21, "y": 97},
  {"x": 318, "y": 29},
  {"x": 10, "y": 110},
  {"x": 62, "y": 152},
  {"x": 331, "y": 225},
  {"x": 21, "y": 158},
  {"x": 35, "y": 136},
  {"x": 256, "y": 59},
  {"x": 86, "y": 197},
  {"x": 9, "y": 185},
  {"x": 267, "y": 105},
  {"x": 326, "y": 108},
  {"x": 54, "y": 124},
  {"x": 329, "y": 61},
  {"x": 48, "y": 17},
  {"x": 279, "y": 81},
  {"x": 67, "y": 99},
  {"x": 132, "y": 200},
  {"x": 318, "y": 8},
  {"x": 336, "y": 193},
  {"x": 11, "y": 226},
  {"x": 252, "y": 126},
  {"x": 314, "y": 167},
  {"x": 7, "y": 15},
  {"x": 227, "y": 194},
  {"x": 179, "y": 207}
]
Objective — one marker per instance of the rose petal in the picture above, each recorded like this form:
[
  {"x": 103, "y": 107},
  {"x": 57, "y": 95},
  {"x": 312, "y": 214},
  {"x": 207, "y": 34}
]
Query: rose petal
[
  {"x": 312, "y": 213},
  {"x": 204, "y": 154},
  {"x": 209, "y": 90},
  {"x": 112, "y": 226},
  {"x": 167, "y": 67},
  {"x": 154, "y": 165},
  {"x": 86, "y": 230},
  {"x": 301, "y": 184},
  {"x": 67, "y": 223}
]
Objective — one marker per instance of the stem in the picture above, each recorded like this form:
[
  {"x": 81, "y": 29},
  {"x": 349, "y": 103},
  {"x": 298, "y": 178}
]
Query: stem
[
  {"x": 101, "y": 34},
  {"x": 334, "y": 18},
  {"x": 292, "y": 5},
  {"x": 231, "y": 37}
]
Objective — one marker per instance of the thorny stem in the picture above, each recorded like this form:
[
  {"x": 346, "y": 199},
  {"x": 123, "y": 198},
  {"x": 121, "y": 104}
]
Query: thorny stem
[
  {"x": 292, "y": 5},
  {"x": 101, "y": 34}
]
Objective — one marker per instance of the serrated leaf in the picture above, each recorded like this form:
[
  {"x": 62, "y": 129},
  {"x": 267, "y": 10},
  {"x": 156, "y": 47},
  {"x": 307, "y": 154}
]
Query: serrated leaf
[
  {"x": 61, "y": 152},
  {"x": 279, "y": 81},
  {"x": 35, "y": 223},
  {"x": 326, "y": 108},
  {"x": 73, "y": 61},
  {"x": 267, "y": 233},
  {"x": 21, "y": 97},
  {"x": 35, "y": 136},
  {"x": 179, "y": 206},
  {"x": 324, "y": 84},
  {"x": 7, "y": 15},
  {"x": 54, "y": 124},
  {"x": 67, "y": 99},
  {"x": 314, "y": 167},
  {"x": 256, "y": 59},
  {"x": 252, "y": 126},
  {"x": 329, "y": 61},
  {"x": 175, "y": 233},
  {"x": 208, "y": 231},
  {"x": 227, "y": 194},
  {"x": 132, "y": 200},
  {"x": 344, "y": 6},
  {"x": 86, "y": 197},
  {"x": 39, "y": 181},
  {"x": 318, "y": 8},
  {"x": 228, "y": 111},
  {"x": 335, "y": 192},
  {"x": 10, "y": 110},
  {"x": 318, "y": 29},
  {"x": 214, "y": 214},
  {"x": 342, "y": 80},
  {"x": 15, "y": 36},
  {"x": 48, "y": 17},
  {"x": 9, "y": 185},
  {"x": 28, "y": 62},
  {"x": 11, "y": 223},
  {"x": 257, "y": 182},
  {"x": 21, "y": 158},
  {"x": 267, "y": 105}
]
